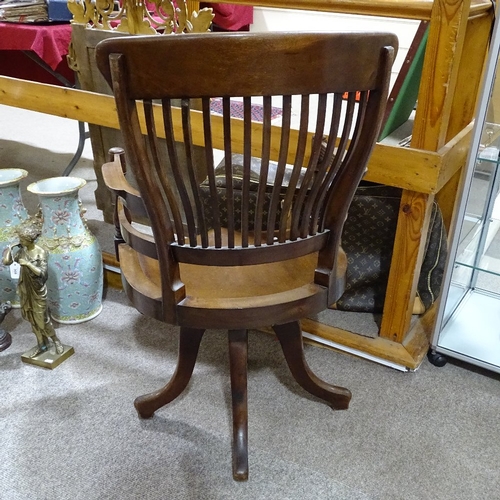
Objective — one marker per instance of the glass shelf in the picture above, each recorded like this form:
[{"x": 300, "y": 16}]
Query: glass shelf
[
  {"x": 468, "y": 317},
  {"x": 479, "y": 241}
]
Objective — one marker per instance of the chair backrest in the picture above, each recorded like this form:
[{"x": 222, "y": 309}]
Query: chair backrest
[{"x": 292, "y": 207}]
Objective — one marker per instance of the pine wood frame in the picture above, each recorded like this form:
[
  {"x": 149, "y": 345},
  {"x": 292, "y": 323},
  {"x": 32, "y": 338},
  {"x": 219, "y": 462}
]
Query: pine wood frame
[{"x": 432, "y": 166}]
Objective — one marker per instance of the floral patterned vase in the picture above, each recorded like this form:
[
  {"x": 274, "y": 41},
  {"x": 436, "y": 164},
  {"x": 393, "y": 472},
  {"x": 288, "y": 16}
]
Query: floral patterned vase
[
  {"x": 75, "y": 272},
  {"x": 12, "y": 213}
]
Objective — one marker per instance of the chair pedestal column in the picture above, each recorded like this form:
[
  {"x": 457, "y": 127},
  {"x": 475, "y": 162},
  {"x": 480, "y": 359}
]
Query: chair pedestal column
[{"x": 238, "y": 357}]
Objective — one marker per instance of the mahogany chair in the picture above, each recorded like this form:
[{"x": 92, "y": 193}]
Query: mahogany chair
[{"x": 239, "y": 249}]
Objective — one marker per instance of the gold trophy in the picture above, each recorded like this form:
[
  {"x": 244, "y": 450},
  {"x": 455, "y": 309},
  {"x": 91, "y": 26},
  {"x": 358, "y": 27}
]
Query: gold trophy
[{"x": 30, "y": 261}]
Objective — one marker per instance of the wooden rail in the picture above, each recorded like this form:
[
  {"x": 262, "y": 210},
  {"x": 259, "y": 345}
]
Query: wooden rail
[
  {"x": 431, "y": 167},
  {"x": 423, "y": 171}
]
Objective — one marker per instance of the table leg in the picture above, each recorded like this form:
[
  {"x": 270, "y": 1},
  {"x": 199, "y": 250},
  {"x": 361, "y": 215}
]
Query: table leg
[
  {"x": 81, "y": 126},
  {"x": 81, "y": 143}
]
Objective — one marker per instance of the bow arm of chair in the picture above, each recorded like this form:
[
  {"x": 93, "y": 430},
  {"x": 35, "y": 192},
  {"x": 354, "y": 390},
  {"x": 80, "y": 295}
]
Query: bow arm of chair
[{"x": 113, "y": 174}]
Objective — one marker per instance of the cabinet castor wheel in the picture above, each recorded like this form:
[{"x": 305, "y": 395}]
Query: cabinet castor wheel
[{"x": 436, "y": 358}]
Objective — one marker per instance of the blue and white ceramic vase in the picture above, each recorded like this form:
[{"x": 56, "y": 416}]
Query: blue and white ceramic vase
[
  {"x": 12, "y": 213},
  {"x": 75, "y": 272}
]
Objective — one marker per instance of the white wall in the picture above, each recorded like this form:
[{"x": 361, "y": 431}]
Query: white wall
[{"x": 273, "y": 19}]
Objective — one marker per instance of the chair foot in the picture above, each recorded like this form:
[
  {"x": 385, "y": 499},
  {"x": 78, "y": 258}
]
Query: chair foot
[
  {"x": 238, "y": 356},
  {"x": 240, "y": 457},
  {"x": 189, "y": 343},
  {"x": 290, "y": 337},
  {"x": 141, "y": 404}
]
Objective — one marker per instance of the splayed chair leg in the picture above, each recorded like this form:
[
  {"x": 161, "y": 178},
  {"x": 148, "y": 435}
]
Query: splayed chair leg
[
  {"x": 290, "y": 337},
  {"x": 238, "y": 355},
  {"x": 189, "y": 343}
]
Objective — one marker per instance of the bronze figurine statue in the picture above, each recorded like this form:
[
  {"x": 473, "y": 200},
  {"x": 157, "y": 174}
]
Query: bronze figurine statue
[{"x": 32, "y": 288}]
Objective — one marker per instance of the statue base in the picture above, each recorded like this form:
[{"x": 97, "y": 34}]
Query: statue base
[
  {"x": 5, "y": 340},
  {"x": 48, "y": 359}
]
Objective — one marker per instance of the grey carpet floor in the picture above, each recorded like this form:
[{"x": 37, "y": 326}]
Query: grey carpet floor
[{"x": 73, "y": 433}]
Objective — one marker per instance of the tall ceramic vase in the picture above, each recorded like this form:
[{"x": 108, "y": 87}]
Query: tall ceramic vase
[
  {"x": 75, "y": 273},
  {"x": 12, "y": 213}
]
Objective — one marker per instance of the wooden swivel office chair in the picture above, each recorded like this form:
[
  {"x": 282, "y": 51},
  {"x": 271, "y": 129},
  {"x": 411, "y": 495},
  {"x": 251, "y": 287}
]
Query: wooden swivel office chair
[{"x": 239, "y": 249}]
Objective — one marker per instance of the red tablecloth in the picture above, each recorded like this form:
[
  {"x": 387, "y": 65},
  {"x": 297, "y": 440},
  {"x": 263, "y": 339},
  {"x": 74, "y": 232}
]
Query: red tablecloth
[
  {"x": 230, "y": 17},
  {"x": 50, "y": 42}
]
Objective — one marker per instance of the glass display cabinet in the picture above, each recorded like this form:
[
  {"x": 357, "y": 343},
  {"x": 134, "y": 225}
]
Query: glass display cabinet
[{"x": 468, "y": 318}]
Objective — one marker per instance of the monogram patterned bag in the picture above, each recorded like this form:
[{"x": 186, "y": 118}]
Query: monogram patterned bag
[
  {"x": 237, "y": 171},
  {"x": 367, "y": 239}
]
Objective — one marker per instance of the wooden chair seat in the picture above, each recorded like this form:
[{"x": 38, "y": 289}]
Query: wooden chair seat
[
  {"x": 209, "y": 261},
  {"x": 216, "y": 291}
]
